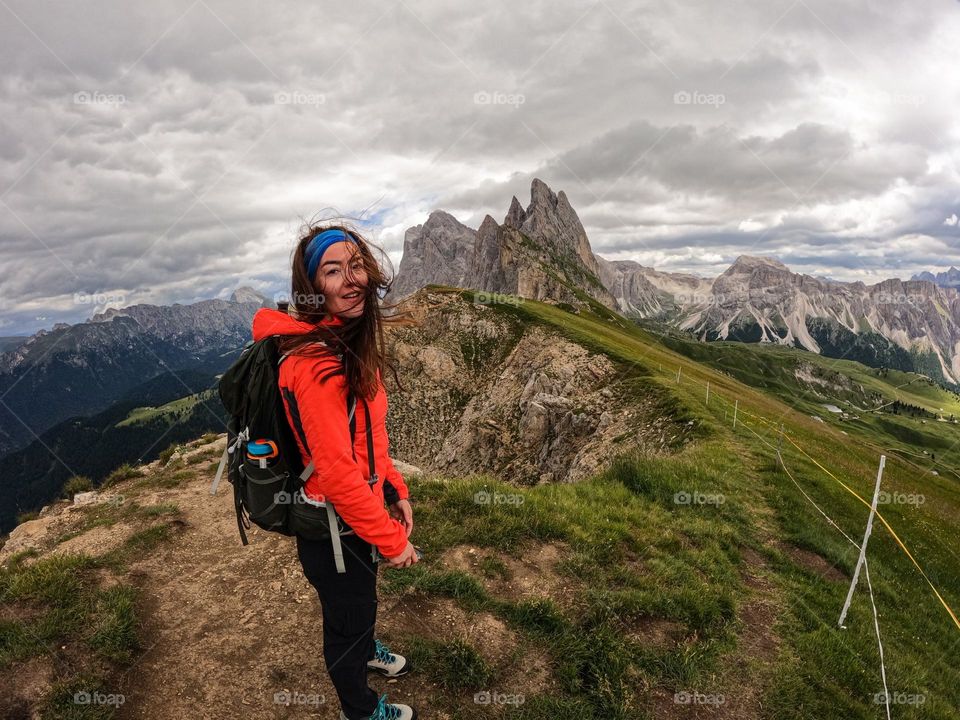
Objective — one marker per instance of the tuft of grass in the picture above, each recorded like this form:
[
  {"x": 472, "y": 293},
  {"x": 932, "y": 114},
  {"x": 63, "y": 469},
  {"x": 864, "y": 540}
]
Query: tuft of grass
[
  {"x": 539, "y": 618},
  {"x": 169, "y": 478},
  {"x": 124, "y": 472},
  {"x": 494, "y": 567},
  {"x": 107, "y": 514},
  {"x": 18, "y": 557},
  {"x": 453, "y": 666},
  {"x": 115, "y": 624},
  {"x": 206, "y": 456},
  {"x": 53, "y": 580},
  {"x": 453, "y": 584},
  {"x": 57, "y": 600},
  {"x": 76, "y": 484},
  {"x": 138, "y": 544},
  {"x": 65, "y": 701},
  {"x": 167, "y": 453},
  {"x": 160, "y": 509},
  {"x": 18, "y": 642}
]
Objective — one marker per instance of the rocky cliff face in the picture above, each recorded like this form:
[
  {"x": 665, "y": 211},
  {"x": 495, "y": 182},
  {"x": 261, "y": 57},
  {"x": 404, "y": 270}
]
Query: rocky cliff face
[
  {"x": 541, "y": 252},
  {"x": 520, "y": 402},
  {"x": 439, "y": 251}
]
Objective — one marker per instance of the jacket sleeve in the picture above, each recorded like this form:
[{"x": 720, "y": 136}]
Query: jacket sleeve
[
  {"x": 323, "y": 414},
  {"x": 394, "y": 487}
]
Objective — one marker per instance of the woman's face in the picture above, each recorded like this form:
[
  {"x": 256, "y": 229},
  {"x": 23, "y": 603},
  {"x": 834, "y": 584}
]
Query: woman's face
[{"x": 342, "y": 279}]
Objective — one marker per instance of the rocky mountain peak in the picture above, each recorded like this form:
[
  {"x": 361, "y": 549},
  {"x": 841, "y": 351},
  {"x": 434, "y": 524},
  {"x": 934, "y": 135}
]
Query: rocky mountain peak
[
  {"x": 246, "y": 294},
  {"x": 438, "y": 251},
  {"x": 442, "y": 219},
  {"x": 551, "y": 221},
  {"x": 540, "y": 251},
  {"x": 749, "y": 263},
  {"x": 515, "y": 215},
  {"x": 541, "y": 194}
]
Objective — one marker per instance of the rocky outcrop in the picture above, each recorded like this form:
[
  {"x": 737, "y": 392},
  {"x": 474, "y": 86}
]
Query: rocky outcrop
[
  {"x": 439, "y": 251},
  {"x": 519, "y": 402},
  {"x": 540, "y": 252}
]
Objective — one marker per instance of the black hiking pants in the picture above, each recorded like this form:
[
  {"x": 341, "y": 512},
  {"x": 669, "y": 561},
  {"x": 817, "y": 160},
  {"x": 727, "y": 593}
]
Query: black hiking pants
[{"x": 349, "y": 602}]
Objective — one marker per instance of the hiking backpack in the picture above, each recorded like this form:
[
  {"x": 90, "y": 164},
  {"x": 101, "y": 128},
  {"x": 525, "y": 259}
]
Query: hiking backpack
[{"x": 261, "y": 458}]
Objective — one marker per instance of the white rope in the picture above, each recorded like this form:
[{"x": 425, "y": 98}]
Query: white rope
[
  {"x": 819, "y": 510},
  {"x": 876, "y": 625}
]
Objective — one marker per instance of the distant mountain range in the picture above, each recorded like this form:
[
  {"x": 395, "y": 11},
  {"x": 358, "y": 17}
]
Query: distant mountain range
[
  {"x": 950, "y": 278},
  {"x": 542, "y": 252},
  {"x": 82, "y": 369}
]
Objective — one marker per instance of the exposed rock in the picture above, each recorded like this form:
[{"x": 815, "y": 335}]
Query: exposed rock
[
  {"x": 541, "y": 252},
  {"x": 406, "y": 469},
  {"x": 519, "y": 402},
  {"x": 438, "y": 252},
  {"x": 85, "y": 498}
]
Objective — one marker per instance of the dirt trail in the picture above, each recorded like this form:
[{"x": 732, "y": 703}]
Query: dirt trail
[
  {"x": 234, "y": 631},
  {"x": 230, "y": 631}
]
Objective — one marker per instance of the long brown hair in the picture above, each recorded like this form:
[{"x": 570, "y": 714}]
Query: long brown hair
[{"x": 359, "y": 340}]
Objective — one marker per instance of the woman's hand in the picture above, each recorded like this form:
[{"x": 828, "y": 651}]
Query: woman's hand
[
  {"x": 401, "y": 510},
  {"x": 406, "y": 558}
]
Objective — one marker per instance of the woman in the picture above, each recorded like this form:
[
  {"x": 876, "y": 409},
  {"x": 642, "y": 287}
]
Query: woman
[{"x": 335, "y": 345}]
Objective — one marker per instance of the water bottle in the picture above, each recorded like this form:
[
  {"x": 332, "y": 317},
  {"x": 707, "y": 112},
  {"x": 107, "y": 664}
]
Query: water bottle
[{"x": 266, "y": 479}]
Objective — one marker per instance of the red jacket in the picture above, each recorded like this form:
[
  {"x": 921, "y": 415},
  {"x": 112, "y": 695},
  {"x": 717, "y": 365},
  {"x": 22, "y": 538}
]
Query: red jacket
[{"x": 318, "y": 412}]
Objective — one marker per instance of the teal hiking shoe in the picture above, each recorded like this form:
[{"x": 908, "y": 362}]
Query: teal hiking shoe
[
  {"x": 388, "y": 663},
  {"x": 388, "y": 711}
]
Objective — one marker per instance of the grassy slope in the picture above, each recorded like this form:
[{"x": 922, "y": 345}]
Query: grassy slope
[
  {"x": 168, "y": 411},
  {"x": 771, "y": 368},
  {"x": 693, "y": 568}
]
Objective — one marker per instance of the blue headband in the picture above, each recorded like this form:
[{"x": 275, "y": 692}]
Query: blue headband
[{"x": 319, "y": 244}]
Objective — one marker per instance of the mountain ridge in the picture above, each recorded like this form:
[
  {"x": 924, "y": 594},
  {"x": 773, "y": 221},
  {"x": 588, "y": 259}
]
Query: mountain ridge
[
  {"x": 542, "y": 252},
  {"x": 83, "y": 368}
]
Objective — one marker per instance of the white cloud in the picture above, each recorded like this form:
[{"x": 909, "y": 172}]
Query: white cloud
[{"x": 750, "y": 225}]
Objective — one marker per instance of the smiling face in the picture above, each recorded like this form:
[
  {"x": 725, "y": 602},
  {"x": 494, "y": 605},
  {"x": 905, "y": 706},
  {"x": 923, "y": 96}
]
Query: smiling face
[{"x": 342, "y": 279}]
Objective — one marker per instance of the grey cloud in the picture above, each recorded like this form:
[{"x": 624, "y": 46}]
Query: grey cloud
[{"x": 398, "y": 123}]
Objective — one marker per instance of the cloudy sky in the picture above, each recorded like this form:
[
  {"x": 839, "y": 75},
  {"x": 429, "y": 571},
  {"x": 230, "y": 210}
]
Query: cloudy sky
[{"x": 168, "y": 152}]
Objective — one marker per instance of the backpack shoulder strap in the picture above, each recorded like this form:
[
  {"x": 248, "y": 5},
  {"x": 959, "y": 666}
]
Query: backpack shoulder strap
[{"x": 331, "y": 511}]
